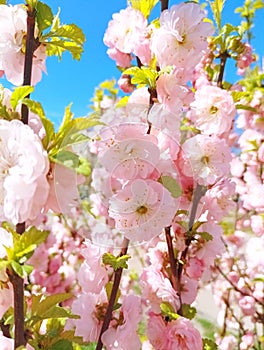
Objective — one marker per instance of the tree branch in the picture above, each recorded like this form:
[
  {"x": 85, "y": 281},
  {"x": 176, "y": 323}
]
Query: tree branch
[
  {"x": 164, "y": 4},
  {"x": 112, "y": 299}
]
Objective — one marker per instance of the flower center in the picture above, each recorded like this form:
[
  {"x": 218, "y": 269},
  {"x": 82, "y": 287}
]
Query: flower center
[
  {"x": 213, "y": 110},
  {"x": 142, "y": 209}
]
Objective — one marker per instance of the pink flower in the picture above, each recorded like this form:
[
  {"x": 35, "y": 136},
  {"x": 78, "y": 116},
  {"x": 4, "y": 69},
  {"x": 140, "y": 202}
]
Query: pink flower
[
  {"x": 6, "y": 343},
  {"x": 214, "y": 110},
  {"x": 178, "y": 334},
  {"x": 182, "y": 36},
  {"x": 63, "y": 194},
  {"x": 157, "y": 289},
  {"x": 122, "y": 59},
  {"x": 127, "y": 33},
  {"x": 124, "y": 336},
  {"x": 131, "y": 158},
  {"x": 92, "y": 275},
  {"x": 13, "y": 27},
  {"x": 171, "y": 93},
  {"x": 209, "y": 158},
  {"x": 157, "y": 332},
  {"x": 142, "y": 209},
  {"x": 183, "y": 336},
  {"x": 6, "y": 299},
  {"x": 23, "y": 166},
  {"x": 88, "y": 326}
]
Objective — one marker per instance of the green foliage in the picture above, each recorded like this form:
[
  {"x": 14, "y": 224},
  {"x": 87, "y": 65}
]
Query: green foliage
[
  {"x": 122, "y": 102},
  {"x": 44, "y": 16},
  {"x": 144, "y": 6},
  {"x": 188, "y": 311},
  {"x": 247, "y": 12},
  {"x": 209, "y": 344},
  {"x": 143, "y": 76},
  {"x": 217, "y": 9},
  {"x": 32, "y": 4},
  {"x": 106, "y": 88},
  {"x": 171, "y": 185},
  {"x": 205, "y": 236},
  {"x": 23, "y": 248},
  {"x": 60, "y": 37},
  {"x": 19, "y": 94},
  {"x": 62, "y": 344},
  {"x": 168, "y": 311},
  {"x": 2, "y": 2},
  {"x": 116, "y": 262}
]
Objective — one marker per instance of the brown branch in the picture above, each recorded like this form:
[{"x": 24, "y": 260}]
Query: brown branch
[
  {"x": 16, "y": 280},
  {"x": 223, "y": 58},
  {"x": 173, "y": 262},
  {"x": 112, "y": 299},
  {"x": 164, "y": 4}
]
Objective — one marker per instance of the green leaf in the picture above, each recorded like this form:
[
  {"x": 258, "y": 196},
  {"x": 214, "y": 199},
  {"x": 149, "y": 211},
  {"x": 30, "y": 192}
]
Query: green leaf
[
  {"x": 20, "y": 93},
  {"x": 206, "y": 236},
  {"x": 217, "y": 8},
  {"x": 57, "y": 312},
  {"x": 2, "y": 2},
  {"x": 84, "y": 167},
  {"x": 122, "y": 102},
  {"x": 168, "y": 311},
  {"x": 63, "y": 344},
  {"x": 66, "y": 158},
  {"x": 188, "y": 311},
  {"x": 17, "y": 268},
  {"x": 65, "y": 37},
  {"x": 171, "y": 185},
  {"x": 28, "y": 242},
  {"x": 144, "y": 6},
  {"x": 209, "y": 344},
  {"x": 143, "y": 76},
  {"x": 48, "y": 303},
  {"x": 116, "y": 262},
  {"x": 44, "y": 16},
  {"x": 36, "y": 107}
]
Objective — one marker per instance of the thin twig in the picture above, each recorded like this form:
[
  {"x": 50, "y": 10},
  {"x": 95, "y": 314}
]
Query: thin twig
[
  {"x": 164, "y": 4},
  {"x": 112, "y": 299}
]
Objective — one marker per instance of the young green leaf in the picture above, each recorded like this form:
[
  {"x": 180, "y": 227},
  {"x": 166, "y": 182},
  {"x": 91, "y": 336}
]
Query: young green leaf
[
  {"x": 116, "y": 262},
  {"x": 188, "y": 311},
  {"x": 209, "y": 344},
  {"x": 217, "y": 8},
  {"x": 144, "y": 6},
  {"x": 62, "y": 344},
  {"x": 48, "y": 303},
  {"x": 168, "y": 311},
  {"x": 44, "y": 16},
  {"x": 143, "y": 76},
  {"x": 171, "y": 185},
  {"x": 19, "y": 93}
]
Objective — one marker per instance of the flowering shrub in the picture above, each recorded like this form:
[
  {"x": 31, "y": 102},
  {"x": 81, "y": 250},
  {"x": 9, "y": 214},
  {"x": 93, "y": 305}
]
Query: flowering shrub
[{"x": 112, "y": 224}]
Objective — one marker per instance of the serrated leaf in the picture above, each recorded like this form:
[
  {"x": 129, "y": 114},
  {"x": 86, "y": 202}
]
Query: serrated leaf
[
  {"x": 29, "y": 241},
  {"x": 44, "y": 16},
  {"x": 144, "y": 6},
  {"x": 19, "y": 93},
  {"x": 171, "y": 185},
  {"x": 143, "y": 76},
  {"x": 168, "y": 311},
  {"x": 116, "y": 262},
  {"x": 188, "y": 311},
  {"x": 64, "y": 37}
]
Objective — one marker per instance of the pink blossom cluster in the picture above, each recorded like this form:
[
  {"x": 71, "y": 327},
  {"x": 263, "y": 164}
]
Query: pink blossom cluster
[
  {"x": 179, "y": 41},
  {"x": 13, "y": 28}
]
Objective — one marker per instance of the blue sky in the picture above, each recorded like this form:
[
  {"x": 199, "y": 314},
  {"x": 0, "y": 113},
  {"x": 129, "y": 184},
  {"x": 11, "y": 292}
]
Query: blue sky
[{"x": 74, "y": 81}]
